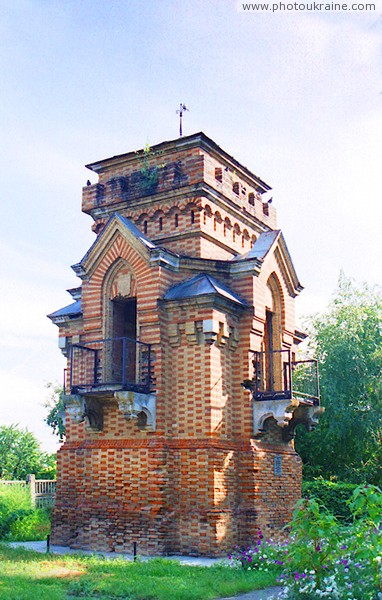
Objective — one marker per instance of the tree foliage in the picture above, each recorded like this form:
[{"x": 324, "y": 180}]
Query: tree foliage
[
  {"x": 20, "y": 455},
  {"x": 56, "y": 414},
  {"x": 347, "y": 340}
]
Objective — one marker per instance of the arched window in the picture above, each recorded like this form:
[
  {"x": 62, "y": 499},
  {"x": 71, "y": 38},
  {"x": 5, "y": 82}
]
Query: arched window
[
  {"x": 117, "y": 355},
  {"x": 273, "y": 363}
]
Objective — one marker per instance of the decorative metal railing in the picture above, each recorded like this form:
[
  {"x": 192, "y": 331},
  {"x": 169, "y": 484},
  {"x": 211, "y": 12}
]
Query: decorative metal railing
[
  {"x": 278, "y": 377},
  {"x": 113, "y": 363}
]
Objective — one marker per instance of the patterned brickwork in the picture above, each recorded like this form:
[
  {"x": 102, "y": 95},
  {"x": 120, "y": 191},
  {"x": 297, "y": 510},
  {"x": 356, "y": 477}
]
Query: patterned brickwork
[{"x": 198, "y": 482}]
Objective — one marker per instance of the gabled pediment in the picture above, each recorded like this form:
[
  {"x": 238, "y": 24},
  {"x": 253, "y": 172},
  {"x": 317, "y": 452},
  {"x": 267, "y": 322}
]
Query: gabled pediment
[
  {"x": 270, "y": 245},
  {"x": 117, "y": 226}
]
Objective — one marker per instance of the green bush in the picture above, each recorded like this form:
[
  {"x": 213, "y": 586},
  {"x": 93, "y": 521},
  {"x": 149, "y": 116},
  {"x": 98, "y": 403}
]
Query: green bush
[
  {"x": 30, "y": 527},
  {"x": 332, "y": 495},
  {"x": 326, "y": 559},
  {"x": 19, "y": 521}
]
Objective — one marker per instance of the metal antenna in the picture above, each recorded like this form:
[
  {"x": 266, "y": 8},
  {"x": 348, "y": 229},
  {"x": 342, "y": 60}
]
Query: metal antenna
[{"x": 179, "y": 112}]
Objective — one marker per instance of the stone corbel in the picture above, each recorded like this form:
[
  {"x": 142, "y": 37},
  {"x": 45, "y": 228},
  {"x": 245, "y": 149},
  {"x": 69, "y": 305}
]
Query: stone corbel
[
  {"x": 191, "y": 333},
  {"x": 223, "y": 334},
  {"x": 233, "y": 338},
  {"x": 174, "y": 334},
  {"x": 280, "y": 410},
  {"x": 75, "y": 407},
  {"x": 306, "y": 415},
  {"x": 78, "y": 408},
  {"x": 210, "y": 331},
  {"x": 132, "y": 403},
  {"x": 287, "y": 414}
]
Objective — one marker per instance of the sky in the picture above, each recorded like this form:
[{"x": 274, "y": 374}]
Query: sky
[{"x": 294, "y": 95}]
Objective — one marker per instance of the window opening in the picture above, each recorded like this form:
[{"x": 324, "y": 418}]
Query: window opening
[
  {"x": 218, "y": 174},
  {"x": 124, "y": 315}
]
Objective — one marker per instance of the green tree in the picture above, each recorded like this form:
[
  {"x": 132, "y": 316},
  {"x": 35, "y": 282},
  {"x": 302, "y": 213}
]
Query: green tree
[
  {"x": 20, "y": 455},
  {"x": 347, "y": 340},
  {"x": 56, "y": 414}
]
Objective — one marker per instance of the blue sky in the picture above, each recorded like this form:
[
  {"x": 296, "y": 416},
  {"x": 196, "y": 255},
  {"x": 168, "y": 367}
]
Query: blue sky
[{"x": 295, "y": 96}]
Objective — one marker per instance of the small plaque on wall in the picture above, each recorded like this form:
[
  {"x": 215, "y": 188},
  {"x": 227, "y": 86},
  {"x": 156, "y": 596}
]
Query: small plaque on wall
[{"x": 277, "y": 465}]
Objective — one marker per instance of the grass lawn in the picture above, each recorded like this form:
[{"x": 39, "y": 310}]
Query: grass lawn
[{"x": 26, "y": 575}]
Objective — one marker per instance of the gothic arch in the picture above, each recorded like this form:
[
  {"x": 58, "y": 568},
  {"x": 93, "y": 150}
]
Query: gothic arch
[
  {"x": 119, "y": 284},
  {"x": 273, "y": 335},
  {"x": 277, "y": 298}
]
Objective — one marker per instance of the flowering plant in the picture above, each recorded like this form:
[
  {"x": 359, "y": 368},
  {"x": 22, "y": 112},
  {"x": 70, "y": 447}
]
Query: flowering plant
[
  {"x": 322, "y": 558},
  {"x": 262, "y": 554}
]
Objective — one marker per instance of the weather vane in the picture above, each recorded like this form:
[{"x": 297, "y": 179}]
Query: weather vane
[{"x": 179, "y": 112}]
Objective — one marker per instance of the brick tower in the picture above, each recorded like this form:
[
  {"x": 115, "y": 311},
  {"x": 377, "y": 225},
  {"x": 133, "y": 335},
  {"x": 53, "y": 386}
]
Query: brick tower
[{"x": 181, "y": 401}]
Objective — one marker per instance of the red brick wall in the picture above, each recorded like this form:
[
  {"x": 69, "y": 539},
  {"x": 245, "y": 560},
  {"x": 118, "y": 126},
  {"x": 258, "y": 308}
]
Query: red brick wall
[{"x": 200, "y": 483}]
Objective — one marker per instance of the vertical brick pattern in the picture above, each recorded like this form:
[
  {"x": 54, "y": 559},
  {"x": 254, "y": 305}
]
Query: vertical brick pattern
[{"x": 200, "y": 483}]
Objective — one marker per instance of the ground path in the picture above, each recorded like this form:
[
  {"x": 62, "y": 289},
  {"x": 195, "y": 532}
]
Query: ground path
[{"x": 184, "y": 560}]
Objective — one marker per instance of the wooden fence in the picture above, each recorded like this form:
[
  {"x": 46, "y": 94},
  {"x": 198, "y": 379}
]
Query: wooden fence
[{"x": 42, "y": 491}]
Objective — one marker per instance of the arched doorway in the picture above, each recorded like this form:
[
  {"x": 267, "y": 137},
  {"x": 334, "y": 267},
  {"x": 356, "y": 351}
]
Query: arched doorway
[
  {"x": 124, "y": 335},
  {"x": 271, "y": 362}
]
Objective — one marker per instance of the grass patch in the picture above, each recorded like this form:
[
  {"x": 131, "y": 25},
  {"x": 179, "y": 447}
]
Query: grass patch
[
  {"x": 26, "y": 575},
  {"x": 19, "y": 520}
]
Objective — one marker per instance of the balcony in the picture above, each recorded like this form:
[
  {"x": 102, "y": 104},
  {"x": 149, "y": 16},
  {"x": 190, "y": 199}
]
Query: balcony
[
  {"x": 110, "y": 365},
  {"x": 278, "y": 377},
  {"x": 285, "y": 390}
]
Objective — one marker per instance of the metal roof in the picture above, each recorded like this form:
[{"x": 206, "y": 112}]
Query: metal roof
[
  {"x": 262, "y": 245},
  {"x": 128, "y": 225},
  {"x": 135, "y": 231},
  {"x": 201, "y": 285},
  {"x": 71, "y": 311}
]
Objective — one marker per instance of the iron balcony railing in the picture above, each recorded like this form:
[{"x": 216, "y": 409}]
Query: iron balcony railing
[
  {"x": 113, "y": 363},
  {"x": 278, "y": 377}
]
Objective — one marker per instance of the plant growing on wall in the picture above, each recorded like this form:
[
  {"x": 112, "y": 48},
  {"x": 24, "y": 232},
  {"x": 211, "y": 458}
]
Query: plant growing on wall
[{"x": 149, "y": 173}]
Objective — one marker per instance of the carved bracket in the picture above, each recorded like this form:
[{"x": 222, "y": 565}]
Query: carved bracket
[
  {"x": 74, "y": 407},
  {"x": 306, "y": 415},
  {"x": 80, "y": 408},
  {"x": 287, "y": 414},
  {"x": 280, "y": 410},
  {"x": 141, "y": 406}
]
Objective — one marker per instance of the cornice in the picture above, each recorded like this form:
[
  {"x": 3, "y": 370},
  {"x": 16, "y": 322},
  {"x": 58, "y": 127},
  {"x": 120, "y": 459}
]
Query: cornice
[{"x": 196, "y": 140}]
